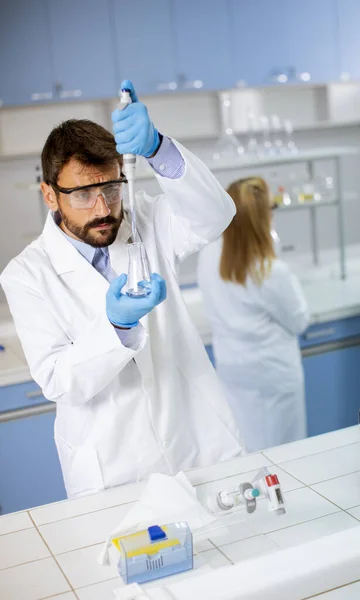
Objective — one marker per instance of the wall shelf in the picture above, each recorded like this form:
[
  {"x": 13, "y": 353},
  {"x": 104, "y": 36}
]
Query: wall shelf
[{"x": 307, "y": 205}]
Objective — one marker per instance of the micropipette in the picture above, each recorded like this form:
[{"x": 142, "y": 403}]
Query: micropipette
[
  {"x": 138, "y": 282},
  {"x": 129, "y": 162}
]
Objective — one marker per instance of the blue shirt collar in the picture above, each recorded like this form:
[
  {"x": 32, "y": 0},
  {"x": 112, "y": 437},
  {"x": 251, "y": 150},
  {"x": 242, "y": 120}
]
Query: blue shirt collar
[{"x": 87, "y": 251}]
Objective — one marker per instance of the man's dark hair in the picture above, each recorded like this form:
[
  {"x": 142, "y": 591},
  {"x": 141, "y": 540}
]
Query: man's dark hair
[{"x": 83, "y": 140}]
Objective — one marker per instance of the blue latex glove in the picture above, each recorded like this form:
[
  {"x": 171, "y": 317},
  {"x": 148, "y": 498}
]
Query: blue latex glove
[
  {"x": 134, "y": 131},
  {"x": 124, "y": 311}
]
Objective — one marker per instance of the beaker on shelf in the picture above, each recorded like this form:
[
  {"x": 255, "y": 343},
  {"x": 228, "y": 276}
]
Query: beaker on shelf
[{"x": 138, "y": 280}]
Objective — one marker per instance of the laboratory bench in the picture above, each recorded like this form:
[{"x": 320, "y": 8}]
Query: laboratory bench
[{"x": 51, "y": 551}]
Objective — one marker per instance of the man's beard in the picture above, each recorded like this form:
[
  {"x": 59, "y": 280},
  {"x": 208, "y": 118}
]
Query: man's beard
[{"x": 99, "y": 240}]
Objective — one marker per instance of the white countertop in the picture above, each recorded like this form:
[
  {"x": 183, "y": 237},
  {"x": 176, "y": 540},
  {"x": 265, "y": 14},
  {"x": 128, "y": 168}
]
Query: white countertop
[
  {"x": 328, "y": 301},
  {"x": 52, "y": 551}
]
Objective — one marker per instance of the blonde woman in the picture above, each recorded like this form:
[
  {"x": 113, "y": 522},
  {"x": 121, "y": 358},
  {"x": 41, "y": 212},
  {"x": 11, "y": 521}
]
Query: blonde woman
[{"x": 256, "y": 309}]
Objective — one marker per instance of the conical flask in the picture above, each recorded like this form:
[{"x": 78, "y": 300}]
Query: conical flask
[
  {"x": 227, "y": 146},
  {"x": 138, "y": 280}
]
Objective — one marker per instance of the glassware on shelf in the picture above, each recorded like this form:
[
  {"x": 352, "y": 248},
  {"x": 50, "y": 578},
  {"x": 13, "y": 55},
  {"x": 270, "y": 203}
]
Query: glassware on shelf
[
  {"x": 290, "y": 146},
  {"x": 328, "y": 187},
  {"x": 227, "y": 146},
  {"x": 252, "y": 130},
  {"x": 309, "y": 192},
  {"x": 266, "y": 147},
  {"x": 273, "y": 180},
  {"x": 277, "y": 187},
  {"x": 276, "y": 129},
  {"x": 282, "y": 197},
  {"x": 292, "y": 183},
  {"x": 325, "y": 185},
  {"x": 138, "y": 280}
]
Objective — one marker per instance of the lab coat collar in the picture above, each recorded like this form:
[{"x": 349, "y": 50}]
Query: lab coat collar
[{"x": 63, "y": 255}]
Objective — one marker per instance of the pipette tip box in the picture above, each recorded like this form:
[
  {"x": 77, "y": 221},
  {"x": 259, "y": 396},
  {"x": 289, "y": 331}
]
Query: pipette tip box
[{"x": 155, "y": 552}]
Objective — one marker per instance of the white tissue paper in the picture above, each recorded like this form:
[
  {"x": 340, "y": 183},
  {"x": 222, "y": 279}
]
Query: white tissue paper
[{"x": 165, "y": 500}]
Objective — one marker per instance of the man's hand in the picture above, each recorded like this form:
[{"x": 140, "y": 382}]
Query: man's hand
[
  {"x": 124, "y": 311},
  {"x": 133, "y": 129}
]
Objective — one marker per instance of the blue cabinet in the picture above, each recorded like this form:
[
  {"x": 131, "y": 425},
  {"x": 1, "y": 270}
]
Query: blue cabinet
[
  {"x": 257, "y": 47},
  {"x": 349, "y": 39},
  {"x": 25, "y": 61},
  {"x": 311, "y": 30},
  {"x": 331, "y": 359},
  {"x": 283, "y": 41},
  {"x": 202, "y": 47},
  {"x": 52, "y": 50},
  {"x": 82, "y": 49},
  {"x": 144, "y": 46},
  {"x": 30, "y": 473},
  {"x": 332, "y": 384},
  {"x": 180, "y": 44},
  {"x": 21, "y": 395},
  {"x": 321, "y": 334}
]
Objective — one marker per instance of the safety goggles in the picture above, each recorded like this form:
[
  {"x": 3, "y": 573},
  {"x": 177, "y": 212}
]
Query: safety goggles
[{"x": 85, "y": 196}]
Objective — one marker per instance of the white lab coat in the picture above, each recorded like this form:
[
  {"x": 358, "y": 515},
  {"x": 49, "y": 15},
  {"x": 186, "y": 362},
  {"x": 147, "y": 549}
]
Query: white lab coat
[
  {"x": 256, "y": 349},
  {"x": 123, "y": 414}
]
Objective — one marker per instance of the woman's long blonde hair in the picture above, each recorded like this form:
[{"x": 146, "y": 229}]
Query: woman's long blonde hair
[{"x": 247, "y": 243}]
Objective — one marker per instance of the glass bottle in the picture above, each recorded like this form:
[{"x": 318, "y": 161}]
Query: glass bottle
[{"x": 138, "y": 279}]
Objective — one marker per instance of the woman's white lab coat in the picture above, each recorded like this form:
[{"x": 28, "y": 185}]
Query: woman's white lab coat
[
  {"x": 123, "y": 414},
  {"x": 256, "y": 349}
]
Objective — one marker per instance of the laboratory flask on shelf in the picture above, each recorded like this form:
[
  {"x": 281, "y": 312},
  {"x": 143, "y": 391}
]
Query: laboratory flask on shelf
[
  {"x": 227, "y": 145},
  {"x": 266, "y": 147},
  {"x": 138, "y": 280},
  {"x": 290, "y": 146},
  {"x": 276, "y": 132},
  {"x": 252, "y": 129}
]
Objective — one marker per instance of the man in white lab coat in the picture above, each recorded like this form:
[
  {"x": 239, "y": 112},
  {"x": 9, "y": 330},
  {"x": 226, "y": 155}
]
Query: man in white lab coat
[{"x": 134, "y": 388}]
